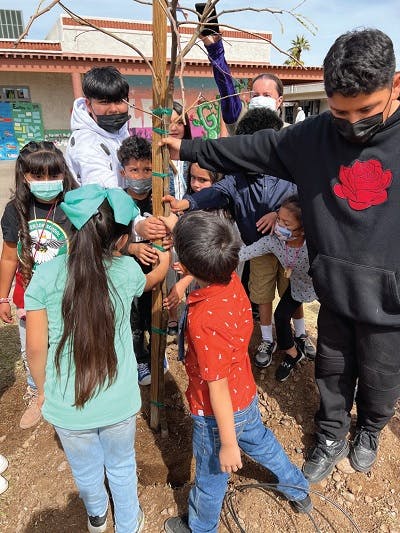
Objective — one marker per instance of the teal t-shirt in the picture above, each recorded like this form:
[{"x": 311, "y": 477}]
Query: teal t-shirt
[{"x": 115, "y": 403}]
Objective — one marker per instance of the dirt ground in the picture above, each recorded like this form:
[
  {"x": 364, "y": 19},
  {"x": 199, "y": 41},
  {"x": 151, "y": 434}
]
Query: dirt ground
[{"x": 42, "y": 497}]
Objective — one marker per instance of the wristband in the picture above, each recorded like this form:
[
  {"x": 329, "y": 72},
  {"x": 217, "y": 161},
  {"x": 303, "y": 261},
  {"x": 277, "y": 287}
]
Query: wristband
[{"x": 5, "y": 300}]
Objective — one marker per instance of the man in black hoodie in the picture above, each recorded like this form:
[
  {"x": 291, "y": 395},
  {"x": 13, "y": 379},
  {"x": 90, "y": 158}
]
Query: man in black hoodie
[{"x": 346, "y": 166}]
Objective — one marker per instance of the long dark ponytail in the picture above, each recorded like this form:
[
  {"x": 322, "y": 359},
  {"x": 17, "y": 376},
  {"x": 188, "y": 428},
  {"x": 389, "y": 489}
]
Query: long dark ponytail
[{"x": 87, "y": 307}]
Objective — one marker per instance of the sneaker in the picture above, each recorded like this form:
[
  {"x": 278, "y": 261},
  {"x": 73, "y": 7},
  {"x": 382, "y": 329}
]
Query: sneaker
[
  {"x": 3, "y": 463},
  {"x": 287, "y": 366},
  {"x": 144, "y": 374},
  {"x": 3, "y": 484},
  {"x": 97, "y": 524},
  {"x": 177, "y": 524},
  {"x": 304, "y": 344},
  {"x": 264, "y": 354},
  {"x": 32, "y": 414},
  {"x": 364, "y": 449},
  {"x": 323, "y": 457},
  {"x": 140, "y": 521},
  {"x": 302, "y": 506}
]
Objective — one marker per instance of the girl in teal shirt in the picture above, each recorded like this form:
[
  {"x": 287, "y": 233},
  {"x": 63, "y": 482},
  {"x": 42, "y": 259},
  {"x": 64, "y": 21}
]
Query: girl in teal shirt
[{"x": 80, "y": 351}]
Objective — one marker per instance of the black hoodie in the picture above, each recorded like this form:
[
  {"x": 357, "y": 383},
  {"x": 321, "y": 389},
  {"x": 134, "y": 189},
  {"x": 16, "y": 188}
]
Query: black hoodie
[{"x": 350, "y": 198}]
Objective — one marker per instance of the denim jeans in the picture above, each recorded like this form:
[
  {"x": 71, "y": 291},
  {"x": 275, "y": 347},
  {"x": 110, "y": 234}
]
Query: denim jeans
[
  {"x": 22, "y": 339},
  {"x": 91, "y": 451},
  {"x": 256, "y": 441}
]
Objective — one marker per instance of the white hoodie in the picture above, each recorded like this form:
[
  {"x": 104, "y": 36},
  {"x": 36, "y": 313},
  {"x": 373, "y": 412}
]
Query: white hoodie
[{"x": 92, "y": 152}]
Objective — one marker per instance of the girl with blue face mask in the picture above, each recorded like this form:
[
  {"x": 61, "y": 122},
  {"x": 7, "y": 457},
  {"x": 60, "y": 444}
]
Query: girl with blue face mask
[
  {"x": 35, "y": 230},
  {"x": 288, "y": 244}
]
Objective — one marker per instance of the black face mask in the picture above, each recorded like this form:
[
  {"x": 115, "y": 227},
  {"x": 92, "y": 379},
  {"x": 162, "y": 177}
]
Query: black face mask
[
  {"x": 112, "y": 123},
  {"x": 361, "y": 131}
]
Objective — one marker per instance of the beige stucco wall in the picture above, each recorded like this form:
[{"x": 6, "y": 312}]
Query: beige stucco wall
[
  {"x": 76, "y": 40},
  {"x": 52, "y": 91}
]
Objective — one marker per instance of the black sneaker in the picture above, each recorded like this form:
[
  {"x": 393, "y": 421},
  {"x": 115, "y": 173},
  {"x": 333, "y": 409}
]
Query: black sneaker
[
  {"x": 177, "y": 524},
  {"x": 287, "y": 366},
  {"x": 322, "y": 458},
  {"x": 97, "y": 524},
  {"x": 264, "y": 353},
  {"x": 304, "y": 344},
  {"x": 364, "y": 449},
  {"x": 302, "y": 506}
]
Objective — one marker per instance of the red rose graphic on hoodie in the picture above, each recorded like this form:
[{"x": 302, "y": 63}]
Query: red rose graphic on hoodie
[{"x": 363, "y": 184}]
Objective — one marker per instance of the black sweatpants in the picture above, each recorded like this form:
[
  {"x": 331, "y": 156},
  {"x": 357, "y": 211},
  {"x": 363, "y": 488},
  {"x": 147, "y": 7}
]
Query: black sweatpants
[
  {"x": 348, "y": 350},
  {"x": 283, "y": 313}
]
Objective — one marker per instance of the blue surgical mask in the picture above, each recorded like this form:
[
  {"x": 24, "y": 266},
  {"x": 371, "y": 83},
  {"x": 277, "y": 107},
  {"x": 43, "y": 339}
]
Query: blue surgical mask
[
  {"x": 283, "y": 234},
  {"x": 263, "y": 101},
  {"x": 46, "y": 190},
  {"x": 141, "y": 186}
]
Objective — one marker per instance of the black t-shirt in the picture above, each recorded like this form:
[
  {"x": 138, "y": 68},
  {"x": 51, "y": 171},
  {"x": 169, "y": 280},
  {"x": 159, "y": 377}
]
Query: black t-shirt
[{"x": 49, "y": 237}]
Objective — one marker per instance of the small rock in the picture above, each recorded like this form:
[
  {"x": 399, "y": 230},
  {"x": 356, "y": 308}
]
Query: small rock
[
  {"x": 390, "y": 502},
  {"x": 368, "y": 500},
  {"x": 336, "y": 476},
  {"x": 349, "y": 497},
  {"x": 62, "y": 466},
  {"x": 285, "y": 422},
  {"x": 164, "y": 512},
  {"x": 339, "y": 485},
  {"x": 171, "y": 511},
  {"x": 26, "y": 444},
  {"x": 298, "y": 450},
  {"x": 241, "y": 514},
  {"x": 3, "y": 438},
  {"x": 354, "y": 487},
  {"x": 384, "y": 528},
  {"x": 345, "y": 467},
  {"x": 378, "y": 514}
]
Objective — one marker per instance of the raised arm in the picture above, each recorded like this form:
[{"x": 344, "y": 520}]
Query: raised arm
[{"x": 231, "y": 105}]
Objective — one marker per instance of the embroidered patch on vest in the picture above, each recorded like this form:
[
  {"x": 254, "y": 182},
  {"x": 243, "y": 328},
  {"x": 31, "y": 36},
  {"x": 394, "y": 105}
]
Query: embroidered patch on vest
[{"x": 363, "y": 184}]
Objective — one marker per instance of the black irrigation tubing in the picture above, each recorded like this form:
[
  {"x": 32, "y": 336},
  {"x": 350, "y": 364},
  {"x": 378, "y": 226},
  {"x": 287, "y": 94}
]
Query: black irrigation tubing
[{"x": 273, "y": 486}]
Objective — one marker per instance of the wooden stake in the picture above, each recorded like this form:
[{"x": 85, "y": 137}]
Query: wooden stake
[{"x": 159, "y": 185}]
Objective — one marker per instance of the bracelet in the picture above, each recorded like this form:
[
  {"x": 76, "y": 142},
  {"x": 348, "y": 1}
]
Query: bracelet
[{"x": 5, "y": 300}]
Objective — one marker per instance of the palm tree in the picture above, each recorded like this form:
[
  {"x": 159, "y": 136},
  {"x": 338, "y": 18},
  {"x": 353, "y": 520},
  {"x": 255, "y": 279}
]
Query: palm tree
[{"x": 298, "y": 46}]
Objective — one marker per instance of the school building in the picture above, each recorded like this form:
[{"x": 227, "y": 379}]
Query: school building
[{"x": 39, "y": 80}]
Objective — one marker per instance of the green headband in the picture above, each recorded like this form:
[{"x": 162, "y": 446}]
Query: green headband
[{"x": 81, "y": 204}]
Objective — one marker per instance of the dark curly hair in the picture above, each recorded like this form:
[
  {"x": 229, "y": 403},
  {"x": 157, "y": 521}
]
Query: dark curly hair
[
  {"x": 39, "y": 159},
  {"x": 134, "y": 147},
  {"x": 258, "y": 118},
  {"x": 359, "y": 62}
]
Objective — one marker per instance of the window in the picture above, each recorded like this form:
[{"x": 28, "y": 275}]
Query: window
[
  {"x": 14, "y": 94},
  {"x": 11, "y": 24}
]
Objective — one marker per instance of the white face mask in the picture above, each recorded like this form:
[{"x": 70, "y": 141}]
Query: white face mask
[{"x": 263, "y": 101}]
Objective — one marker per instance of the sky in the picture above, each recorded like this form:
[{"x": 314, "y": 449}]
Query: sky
[{"x": 331, "y": 18}]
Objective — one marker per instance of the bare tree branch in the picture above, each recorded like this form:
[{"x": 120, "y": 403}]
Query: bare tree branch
[
  {"x": 110, "y": 34},
  {"x": 32, "y": 19}
]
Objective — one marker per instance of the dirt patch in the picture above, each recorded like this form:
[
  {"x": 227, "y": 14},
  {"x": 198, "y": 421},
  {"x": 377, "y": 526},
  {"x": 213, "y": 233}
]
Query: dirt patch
[{"x": 42, "y": 496}]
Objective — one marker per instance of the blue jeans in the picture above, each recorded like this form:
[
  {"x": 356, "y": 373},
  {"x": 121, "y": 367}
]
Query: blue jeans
[
  {"x": 256, "y": 441},
  {"x": 22, "y": 338},
  {"x": 91, "y": 451}
]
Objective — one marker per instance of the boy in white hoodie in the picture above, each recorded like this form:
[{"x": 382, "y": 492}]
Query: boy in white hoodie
[{"x": 99, "y": 124}]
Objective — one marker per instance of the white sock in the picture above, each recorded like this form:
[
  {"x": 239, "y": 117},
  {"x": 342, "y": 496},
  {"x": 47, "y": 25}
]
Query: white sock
[
  {"x": 299, "y": 327},
  {"x": 266, "y": 333}
]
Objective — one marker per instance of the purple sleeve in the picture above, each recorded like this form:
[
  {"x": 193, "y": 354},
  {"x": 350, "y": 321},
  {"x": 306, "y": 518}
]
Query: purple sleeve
[{"x": 230, "y": 107}]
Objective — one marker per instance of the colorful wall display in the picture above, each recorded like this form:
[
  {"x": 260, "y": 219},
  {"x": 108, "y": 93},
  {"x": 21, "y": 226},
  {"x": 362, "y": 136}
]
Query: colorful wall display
[{"x": 8, "y": 142}]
